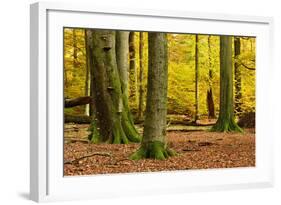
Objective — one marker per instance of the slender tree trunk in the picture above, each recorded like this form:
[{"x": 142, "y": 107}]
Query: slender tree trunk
[
  {"x": 154, "y": 143},
  {"x": 196, "y": 78},
  {"x": 88, "y": 76},
  {"x": 113, "y": 123},
  {"x": 65, "y": 79},
  {"x": 122, "y": 53},
  {"x": 89, "y": 62},
  {"x": 210, "y": 98},
  {"x": 238, "y": 79},
  {"x": 141, "y": 96},
  {"x": 74, "y": 48},
  {"x": 226, "y": 122},
  {"x": 132, "y": 69}
]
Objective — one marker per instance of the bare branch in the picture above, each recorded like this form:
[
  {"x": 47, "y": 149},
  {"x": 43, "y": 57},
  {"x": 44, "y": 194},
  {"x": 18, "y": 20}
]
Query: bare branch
[
  {"x": 86, "y": 156},
  {"x": 244, "y": 65}
]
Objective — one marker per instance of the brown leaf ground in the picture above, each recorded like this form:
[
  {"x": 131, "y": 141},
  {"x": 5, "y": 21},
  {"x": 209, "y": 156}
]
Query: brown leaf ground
[{"x": 196, "y": 149}]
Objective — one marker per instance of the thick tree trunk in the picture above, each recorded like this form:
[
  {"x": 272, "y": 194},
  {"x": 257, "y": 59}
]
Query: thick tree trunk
[
  {"x": 196, "y": 78},
  {"x": 237, "y": 77},
  {"x": 210, "y": 98},
  {"x": 154, "y": 143},
  {"x": 141, "y": 96},
  {"x": 132, "y": 69},
  {"x": 113, "y": 123},
  {"x": 226, "y": 121}
]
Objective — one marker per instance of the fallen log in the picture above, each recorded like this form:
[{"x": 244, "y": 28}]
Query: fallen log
[
  {"x": 179, "y": 122},
  {"x": 77, "y": 101},
  {"x": 78, "y": 119}
]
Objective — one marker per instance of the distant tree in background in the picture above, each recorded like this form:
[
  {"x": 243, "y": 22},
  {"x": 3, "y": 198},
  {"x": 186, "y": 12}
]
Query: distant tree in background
[
  {"x": 210, "y": 98},
  {"x": 133, "y": 69},
  {"x": 237, "y": 77},
  {"x": 141, "y": 74},
  {"x": 196, "y": 78}
]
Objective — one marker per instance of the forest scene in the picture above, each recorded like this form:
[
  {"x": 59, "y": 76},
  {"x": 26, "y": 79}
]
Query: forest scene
[{"x": 138, "y": 101}]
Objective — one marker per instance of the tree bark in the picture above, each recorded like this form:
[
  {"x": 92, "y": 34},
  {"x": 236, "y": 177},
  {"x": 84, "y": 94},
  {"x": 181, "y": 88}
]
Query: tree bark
[
  {"x": 141, "y": 96},
  {"x": 74, "y": 49},
  {"x": 154, "y": 143},
  {"x": 88, "y": 75},
  {"x": 89, "y": 62},
  {"x": 122, "y": 53},
  {"x": 196, "y": 78},
  {"x": 210, "y": 98},
  {"x": 113, "y": 123},
  {"x": 238, "y": 78},
  {"x": 132, "y": 69},
  {"x": 226, "y": 122}
]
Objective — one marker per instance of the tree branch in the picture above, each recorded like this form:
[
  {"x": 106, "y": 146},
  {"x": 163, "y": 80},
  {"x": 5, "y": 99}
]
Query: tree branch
[
  {"x": 86, "y": 156},
  {"x": 244, "y": 65},
  {"x": 248, "y": 67}
]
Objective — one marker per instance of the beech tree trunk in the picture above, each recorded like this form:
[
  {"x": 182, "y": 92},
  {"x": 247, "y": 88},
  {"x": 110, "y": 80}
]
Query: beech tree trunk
[
  {"x": 132, "y": 69},
  {"x": 122, "y": 53},
  {"x": 210, "y": 98},
  {"x": 154, "y": 138},
  {"x": 238, "y": 78},
  {"x": 112, "y": 123},
  {"x": 141, "y": 96},
  {"x": 74, "y": 48},
  {"x": 89, "y": 56},
  {"x": 196, "y": 78},
  {"x": 88, "y": 75},
  {"x": 225, "y": 122}
]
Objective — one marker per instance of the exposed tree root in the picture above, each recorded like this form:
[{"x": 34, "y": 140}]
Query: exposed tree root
[
  {"x": 226, "y": 126},
  {"x": 122, "y": 133},
  {"x": 154, "y": 150}
]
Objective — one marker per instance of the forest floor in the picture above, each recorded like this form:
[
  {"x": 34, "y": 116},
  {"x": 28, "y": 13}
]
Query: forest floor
[{"x": 197, "y": 148}]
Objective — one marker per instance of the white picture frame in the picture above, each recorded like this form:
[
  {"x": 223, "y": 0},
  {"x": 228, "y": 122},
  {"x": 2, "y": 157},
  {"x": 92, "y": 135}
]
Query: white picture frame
[{"x": 47, "y": 182}]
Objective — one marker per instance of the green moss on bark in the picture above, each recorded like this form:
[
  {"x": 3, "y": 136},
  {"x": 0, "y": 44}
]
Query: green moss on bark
[
  {"x": 226, "y": 122},
  {"x": 154, "y": 150},
  {"x": 111, "y": 99},
  {"x": 94, "y": 136},
  {"x": 226, "y": 126}
]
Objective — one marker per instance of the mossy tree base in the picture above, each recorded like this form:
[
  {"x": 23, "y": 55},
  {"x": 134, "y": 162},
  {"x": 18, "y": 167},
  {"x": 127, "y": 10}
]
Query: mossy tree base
[
  {"x": 226, "y": 126},
  {"x": 154, "y": 150},
  {"x": 124, "y": 133}
]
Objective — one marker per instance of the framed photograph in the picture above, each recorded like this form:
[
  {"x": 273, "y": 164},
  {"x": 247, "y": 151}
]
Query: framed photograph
[{"x": 132, "y": 102}]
